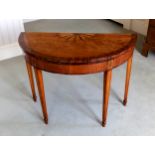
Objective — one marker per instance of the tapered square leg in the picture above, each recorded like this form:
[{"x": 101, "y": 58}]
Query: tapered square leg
[
  {"x": 40, "y": 84},
  {"x": 107, "y": 85},
  {"x": 30, "y": 73},
  {"x": 128, "y": 74}
]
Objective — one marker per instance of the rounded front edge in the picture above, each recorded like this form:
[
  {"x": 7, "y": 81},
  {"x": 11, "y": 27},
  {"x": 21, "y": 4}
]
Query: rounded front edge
[{"x": 78, "y": 69}]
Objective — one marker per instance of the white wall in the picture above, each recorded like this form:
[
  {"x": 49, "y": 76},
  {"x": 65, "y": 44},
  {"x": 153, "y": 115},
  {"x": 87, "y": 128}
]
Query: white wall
[
  {"x": 9, "y": 33},
  {"x": 10, "y": 30}
]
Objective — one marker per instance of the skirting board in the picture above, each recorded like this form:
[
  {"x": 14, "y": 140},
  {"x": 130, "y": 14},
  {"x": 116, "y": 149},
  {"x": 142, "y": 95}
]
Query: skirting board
[
  {"x": 29, "y": 20},
  {"x": 10, "y": 51}
]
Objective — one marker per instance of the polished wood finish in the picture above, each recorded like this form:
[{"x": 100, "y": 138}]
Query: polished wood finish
[
  {"x": 150, "y": 38},
  {"x": 107, "y": 84},
  {"x": 128, "y": 74},
  {"x": 76, "y": 54},
  {"x": 75, "y": 48},
  {"x": 30, "y": 73},
  {"x": 40, "y": 84}
]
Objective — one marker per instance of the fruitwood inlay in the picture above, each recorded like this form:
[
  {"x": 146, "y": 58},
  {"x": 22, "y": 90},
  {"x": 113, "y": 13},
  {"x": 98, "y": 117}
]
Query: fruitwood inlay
[{"x": 78, "y": 53}]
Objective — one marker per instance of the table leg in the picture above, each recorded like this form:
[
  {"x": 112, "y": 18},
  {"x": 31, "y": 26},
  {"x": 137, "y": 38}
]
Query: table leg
[
  {"x": 40, "y": 84},
  {"x": 107, "y": 85},
  {"x": 128, "y": 73},
  {"x": 29, "y": 70},
  {"x": 145, "y": 50}
]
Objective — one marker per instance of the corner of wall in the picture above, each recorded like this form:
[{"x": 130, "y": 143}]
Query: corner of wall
[{"x": 10, "y": 51}]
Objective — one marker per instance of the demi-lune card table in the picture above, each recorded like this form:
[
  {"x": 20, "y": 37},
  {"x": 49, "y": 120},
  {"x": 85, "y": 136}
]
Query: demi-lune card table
[{"x": 77, "y": 54}]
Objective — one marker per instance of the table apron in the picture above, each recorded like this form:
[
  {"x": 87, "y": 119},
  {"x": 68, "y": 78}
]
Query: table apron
[{"x": 80, "y": 68}]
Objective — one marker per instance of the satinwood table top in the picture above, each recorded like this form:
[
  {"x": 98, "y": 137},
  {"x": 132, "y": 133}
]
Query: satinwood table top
[{"x": 75, "y": 48}]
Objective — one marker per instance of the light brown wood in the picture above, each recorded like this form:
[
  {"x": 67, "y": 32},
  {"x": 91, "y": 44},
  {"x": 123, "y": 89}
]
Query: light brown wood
[
  {"x": 107, "y": 85},
  {"x": 128, "y": 74},
  {"x": 30, "y": 74},
  {"x": 40, "y": 84}
]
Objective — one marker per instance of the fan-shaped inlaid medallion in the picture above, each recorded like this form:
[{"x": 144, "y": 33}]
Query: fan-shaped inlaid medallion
[{"x": 73, "y": 37}]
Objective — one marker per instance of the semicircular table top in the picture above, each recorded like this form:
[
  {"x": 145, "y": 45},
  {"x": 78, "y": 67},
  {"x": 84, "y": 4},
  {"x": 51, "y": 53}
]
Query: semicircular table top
[{"x": 75, "y": 48}]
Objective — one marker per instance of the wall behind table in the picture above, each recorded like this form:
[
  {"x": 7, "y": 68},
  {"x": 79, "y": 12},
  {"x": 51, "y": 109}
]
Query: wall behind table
[
  {"x": 9, "y": 33},
  {"x": 137, "y": 25}
]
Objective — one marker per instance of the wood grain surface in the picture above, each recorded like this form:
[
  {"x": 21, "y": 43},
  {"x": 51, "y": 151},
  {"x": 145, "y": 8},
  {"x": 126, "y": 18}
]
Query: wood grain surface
[{"x": 75, "y": 48}]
